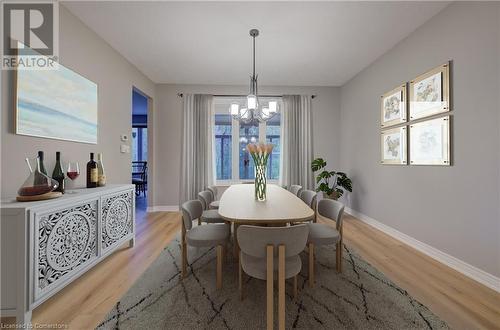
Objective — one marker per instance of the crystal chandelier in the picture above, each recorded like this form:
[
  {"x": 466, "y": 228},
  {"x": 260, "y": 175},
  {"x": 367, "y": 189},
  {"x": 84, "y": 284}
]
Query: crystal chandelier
[{"x": 253, "y": 110}]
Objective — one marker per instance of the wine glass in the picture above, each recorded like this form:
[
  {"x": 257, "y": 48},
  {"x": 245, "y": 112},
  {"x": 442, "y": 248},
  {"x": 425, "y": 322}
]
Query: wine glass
[{"x": 73, "y": 173}]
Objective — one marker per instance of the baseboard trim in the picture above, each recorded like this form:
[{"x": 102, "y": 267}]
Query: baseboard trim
[
  {"x": 466, "y": 269},
  {"x": 163, "y": 208}
]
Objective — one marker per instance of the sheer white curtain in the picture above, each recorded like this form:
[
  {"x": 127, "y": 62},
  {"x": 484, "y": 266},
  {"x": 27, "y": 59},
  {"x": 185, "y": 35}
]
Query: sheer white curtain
[
  {"x": 297, "y": 141},
  {"x": 197, "y": 168}
]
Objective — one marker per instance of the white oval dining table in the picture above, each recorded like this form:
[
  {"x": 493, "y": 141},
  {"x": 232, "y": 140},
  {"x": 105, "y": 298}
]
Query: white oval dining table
[{"x": 238, "y": 205}]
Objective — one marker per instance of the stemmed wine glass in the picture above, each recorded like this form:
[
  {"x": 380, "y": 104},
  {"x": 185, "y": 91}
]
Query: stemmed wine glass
[{"x": 73, "y": 173}]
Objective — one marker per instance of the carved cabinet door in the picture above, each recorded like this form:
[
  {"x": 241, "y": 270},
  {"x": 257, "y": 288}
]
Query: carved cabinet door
[
  {"x": 117, "y": 217},
  {"x": 65, "y": 242}
]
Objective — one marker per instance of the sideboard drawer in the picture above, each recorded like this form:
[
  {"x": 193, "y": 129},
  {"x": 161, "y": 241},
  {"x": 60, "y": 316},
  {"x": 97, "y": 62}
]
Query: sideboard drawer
[
  {"x": 117, "y": 214},
  {"x": 65, "y": 242}
]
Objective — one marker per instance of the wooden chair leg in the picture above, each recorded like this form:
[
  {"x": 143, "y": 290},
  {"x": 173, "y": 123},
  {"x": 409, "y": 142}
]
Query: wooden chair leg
[
  {"x": 311, "y": 265},
  {"x": 339, "y": 257},
  {"x": 184, "y": 253},
  {"x": 281, "y": 287},
  {"x": 240, "y": 279},
  {"x": 199, "y": 221},
  {"x": 269, "y": 284},
  {"x": 295, "y": 291},
  {"x": 219, "y": 267}
]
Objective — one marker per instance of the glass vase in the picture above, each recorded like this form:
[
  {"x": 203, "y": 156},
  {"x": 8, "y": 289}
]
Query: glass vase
[{"x": 260, "y": 182}]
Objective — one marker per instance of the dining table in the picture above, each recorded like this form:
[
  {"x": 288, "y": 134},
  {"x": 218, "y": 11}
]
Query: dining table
[{"x": 281, "y": 207}]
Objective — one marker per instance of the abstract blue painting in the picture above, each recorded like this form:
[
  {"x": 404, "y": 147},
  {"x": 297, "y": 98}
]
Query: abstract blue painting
[{"x": 57, "y": 104}]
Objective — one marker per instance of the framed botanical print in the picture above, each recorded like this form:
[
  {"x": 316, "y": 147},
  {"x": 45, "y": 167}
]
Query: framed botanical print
[
  {"x": 393, "y": 107},
  {"x": 393, "y": 146},
  {"x": 430, "y": 93},
  {"x": 430, "y": 142}
]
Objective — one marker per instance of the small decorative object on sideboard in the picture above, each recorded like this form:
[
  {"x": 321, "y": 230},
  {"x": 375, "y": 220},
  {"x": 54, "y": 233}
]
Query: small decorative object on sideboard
[
  {"x": 58, "y": 173},
  {"x": 37, "y": 186},
  {"x": 260, "y": 154},
  {"x": 101, "y": 175},
  {"x": 92, "y": 172},
  {"x": 332, "y": 183}
]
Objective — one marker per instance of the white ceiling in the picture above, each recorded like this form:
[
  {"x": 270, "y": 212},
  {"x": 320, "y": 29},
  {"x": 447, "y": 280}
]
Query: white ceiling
[{"x": 301, "y": 43}]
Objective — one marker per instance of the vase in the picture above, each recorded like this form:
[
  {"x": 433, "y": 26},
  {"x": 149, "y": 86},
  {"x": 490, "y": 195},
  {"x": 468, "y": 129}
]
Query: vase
[{"x": 260, "y": 182}]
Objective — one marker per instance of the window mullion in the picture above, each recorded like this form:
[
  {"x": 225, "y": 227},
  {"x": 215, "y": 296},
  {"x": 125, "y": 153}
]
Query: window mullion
[{"x": 235, "y": 151}]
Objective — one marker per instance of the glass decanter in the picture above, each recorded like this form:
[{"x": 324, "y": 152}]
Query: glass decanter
[{"x": 37, "y": 183}]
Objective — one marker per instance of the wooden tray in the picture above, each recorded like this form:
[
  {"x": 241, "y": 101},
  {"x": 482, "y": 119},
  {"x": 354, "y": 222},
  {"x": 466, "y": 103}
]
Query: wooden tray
[{"x": 49, "y": 195}]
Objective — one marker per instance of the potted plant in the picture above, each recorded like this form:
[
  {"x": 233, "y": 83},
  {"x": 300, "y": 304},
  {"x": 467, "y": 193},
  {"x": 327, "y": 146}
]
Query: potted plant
[{"x": 331, "y": 183}]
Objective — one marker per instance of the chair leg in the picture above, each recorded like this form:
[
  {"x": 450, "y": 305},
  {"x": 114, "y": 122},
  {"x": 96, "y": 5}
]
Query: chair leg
[
  {"x": 219, "y": 267},
  {"x": 339, "y": 257},
  {"x": 236, "y": 245},
  {"x": 240, "y": 279},
  {"x": 184, "y": 258},
  {"x": 295, "y": 293},
  {"x": 270, "y": 289},
  {"x": 311, "y": 265},
  {"x": 281, "y": 287}
]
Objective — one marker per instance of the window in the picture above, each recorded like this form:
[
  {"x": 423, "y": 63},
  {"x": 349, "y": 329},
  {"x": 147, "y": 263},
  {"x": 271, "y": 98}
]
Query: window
[
  {"x": 231, "y": 138},
  {"x": 273, "y": 136},
  {"x": 223, "y": 146},
  {"x": 139, "y": 143}
]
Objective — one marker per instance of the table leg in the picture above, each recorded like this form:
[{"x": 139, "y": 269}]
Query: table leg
[{"x": 236, "y": 245}]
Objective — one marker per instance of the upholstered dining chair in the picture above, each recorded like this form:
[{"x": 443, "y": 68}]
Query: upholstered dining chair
[
  {"x": 215, "y": 203},
  {"x": 209, "y": 215},
  {"x": 323, "y": 234},
  {"x": 295, "y": 189},
  {"x": 211, "y": 235},
  {"x": 265, "y": 251},
  {"x": 309, "y": 197}
]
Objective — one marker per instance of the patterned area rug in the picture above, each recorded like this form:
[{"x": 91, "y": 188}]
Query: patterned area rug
[{"x": 359, "y": 298}]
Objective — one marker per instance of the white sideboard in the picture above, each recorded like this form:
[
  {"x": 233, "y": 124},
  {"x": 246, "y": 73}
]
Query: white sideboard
[{"x": 46, "y": 245}]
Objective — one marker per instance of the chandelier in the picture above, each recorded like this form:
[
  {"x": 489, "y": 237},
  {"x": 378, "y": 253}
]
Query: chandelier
[{"x": 253, "y": 110}]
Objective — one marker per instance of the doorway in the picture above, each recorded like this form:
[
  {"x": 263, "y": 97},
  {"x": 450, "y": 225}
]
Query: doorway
[{"x": 139, "y": 150}]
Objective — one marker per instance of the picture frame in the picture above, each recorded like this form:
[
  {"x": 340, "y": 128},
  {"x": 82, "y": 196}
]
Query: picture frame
[
  {"x": 430, "y": 142},
  {"x": 393, "y": 150},
  {"x": 393, "y": 107},
  {"x": 56, "y": 104},
  {"x": 430, "y": 93}
]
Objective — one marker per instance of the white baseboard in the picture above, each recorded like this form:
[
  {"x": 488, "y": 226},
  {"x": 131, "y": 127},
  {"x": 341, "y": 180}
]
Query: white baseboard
[
  {"x": 468, "y": 270},
  {"x": 163, "y": 208}
]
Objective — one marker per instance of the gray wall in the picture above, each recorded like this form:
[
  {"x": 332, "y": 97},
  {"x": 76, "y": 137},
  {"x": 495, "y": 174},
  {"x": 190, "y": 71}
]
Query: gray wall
[
  {"x": 454, "y": 209},
  {"x": 325, "y": 108},
  {"x": 86, "y": 53}
]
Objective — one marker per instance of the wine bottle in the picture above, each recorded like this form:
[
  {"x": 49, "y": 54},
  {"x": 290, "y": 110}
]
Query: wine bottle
[
  {"x": 42, "y": 167},
  {"x": 58, "y": 173},
  {"x": 101, "y": 180},
  {"x": 92, "y": 175}
]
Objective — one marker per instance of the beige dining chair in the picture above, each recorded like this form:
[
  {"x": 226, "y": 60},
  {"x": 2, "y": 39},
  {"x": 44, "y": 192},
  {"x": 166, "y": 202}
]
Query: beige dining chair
[
  {"x": 212, "y": 235},
  {"x": 295, "y": 189},
  {"x": 215, "y": 203},
  {"x": 209, "y": 215},
  {"x": 265, "y": 251},
  {"x": 309, "y": 197},
  {"x": 323, "y": 234}
]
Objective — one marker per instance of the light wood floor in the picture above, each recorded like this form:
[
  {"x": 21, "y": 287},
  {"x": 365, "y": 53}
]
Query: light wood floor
[{"x": 463, "y": 303}]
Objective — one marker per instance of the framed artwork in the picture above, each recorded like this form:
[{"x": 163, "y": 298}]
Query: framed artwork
[
  {"x": 393, "y": 107},
  {"x": 56, "y": 104},
  {"x": 430, "y": 93},
  {"x": 430, "y": 142},
  {"x": 393, "y": 146}
]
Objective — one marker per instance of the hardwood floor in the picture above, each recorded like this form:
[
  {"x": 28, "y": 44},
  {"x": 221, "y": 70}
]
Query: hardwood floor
[{"x": 463, "y": 303}]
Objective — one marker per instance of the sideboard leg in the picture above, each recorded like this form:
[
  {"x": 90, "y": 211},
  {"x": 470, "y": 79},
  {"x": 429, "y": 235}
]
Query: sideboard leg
[
  {"x": 131, "y": 243},
  {"x": 23, "y": 317}
]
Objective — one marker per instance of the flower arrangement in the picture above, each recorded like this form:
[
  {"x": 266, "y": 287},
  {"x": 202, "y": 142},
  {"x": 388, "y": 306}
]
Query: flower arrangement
[{"x": 260, "y": 154}]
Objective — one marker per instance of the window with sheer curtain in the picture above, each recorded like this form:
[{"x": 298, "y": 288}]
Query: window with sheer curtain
[{"x": 233, "y": 163}]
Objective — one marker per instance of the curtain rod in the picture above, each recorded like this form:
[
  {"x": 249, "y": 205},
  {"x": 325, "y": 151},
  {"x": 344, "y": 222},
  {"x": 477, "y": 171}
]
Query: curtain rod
[{"x": 228, "y": 95}]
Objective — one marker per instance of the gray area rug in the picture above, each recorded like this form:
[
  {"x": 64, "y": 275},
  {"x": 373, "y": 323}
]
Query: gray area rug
[{"x": 359, "y": 298}]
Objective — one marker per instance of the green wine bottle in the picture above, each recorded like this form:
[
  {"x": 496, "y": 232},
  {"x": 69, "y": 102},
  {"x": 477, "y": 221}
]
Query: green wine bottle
[{"x": 58, "y": 173}]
